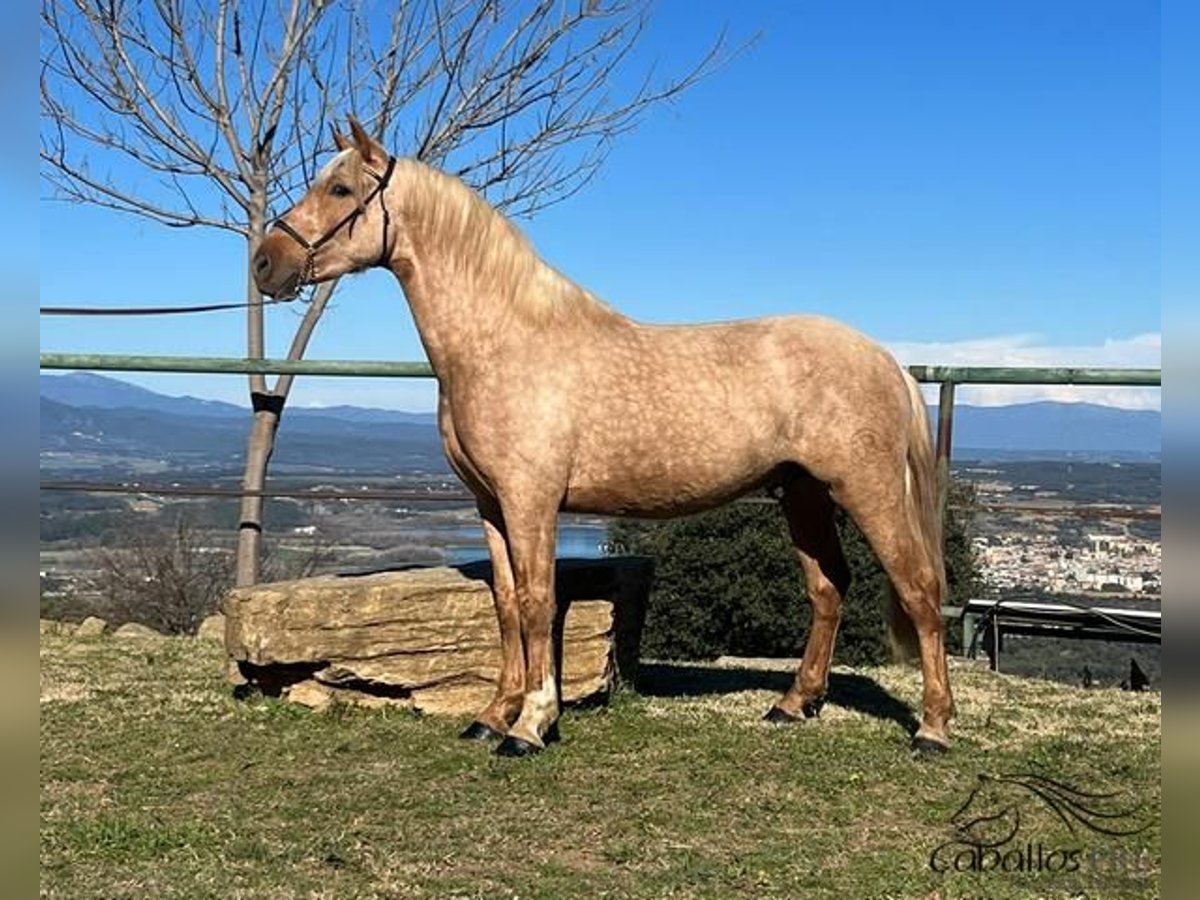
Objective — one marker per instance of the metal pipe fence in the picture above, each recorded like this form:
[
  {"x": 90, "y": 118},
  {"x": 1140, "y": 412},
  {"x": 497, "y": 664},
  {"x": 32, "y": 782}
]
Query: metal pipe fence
[
  {"x": 368, "y": 368},
  {"x": 948, "y": 377}
]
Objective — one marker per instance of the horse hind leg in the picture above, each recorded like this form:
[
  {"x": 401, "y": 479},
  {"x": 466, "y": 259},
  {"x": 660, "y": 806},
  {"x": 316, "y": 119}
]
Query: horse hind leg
[
  {"x": 810, "y": 517},
  {"x": 882, "y": 508}
]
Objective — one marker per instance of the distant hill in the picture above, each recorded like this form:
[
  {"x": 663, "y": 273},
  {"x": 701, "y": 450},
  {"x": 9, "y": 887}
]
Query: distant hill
[
  {"x": 100, "y": 391},
  {"x": 190, "y": 436},
  {"x": 1056, "y": 428},
  {"x": 91, "y": 422}
]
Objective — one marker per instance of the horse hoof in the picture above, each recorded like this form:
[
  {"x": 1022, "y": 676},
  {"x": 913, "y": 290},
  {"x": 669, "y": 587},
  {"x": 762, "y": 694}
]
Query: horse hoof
[
  {"x": 812, "y": 708},
  {"x": 779, "y": 716},
  {"x": 923, "y": 747},
  {"x": 477, "y": 731},
  {"x": 515, "y": 746}
]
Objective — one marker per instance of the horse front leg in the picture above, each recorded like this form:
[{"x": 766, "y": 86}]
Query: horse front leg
[
  {"x": 497, "y": 717},
  {"x": 531, "y": 539},
  {"x": 810, "y": 517}
]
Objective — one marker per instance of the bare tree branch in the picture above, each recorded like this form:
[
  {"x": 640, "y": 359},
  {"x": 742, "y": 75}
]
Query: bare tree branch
[{"x": 213, "y": 112}]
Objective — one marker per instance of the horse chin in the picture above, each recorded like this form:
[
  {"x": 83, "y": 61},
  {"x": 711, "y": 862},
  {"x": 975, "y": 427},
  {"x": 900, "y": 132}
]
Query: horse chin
[
  {"x": 292, "y": 291},
  {"x": 289, "y": 289}
]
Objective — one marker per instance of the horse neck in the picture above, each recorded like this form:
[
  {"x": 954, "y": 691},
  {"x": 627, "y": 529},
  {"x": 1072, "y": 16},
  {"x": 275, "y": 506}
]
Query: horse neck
[{"x": 471, "y": 279}]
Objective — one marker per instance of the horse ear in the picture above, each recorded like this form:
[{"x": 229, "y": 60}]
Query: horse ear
[
  {"x": 372, "y": 151},
  {"x": 340, "y": 140}
]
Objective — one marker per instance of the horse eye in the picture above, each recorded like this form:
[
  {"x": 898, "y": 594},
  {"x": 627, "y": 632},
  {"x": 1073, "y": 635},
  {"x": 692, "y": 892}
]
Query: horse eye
[{"x": 340, "y": 190}]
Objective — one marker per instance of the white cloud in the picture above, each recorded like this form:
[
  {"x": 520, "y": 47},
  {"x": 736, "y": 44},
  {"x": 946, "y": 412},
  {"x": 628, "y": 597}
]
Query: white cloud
[{"x": 1139, "y": 351}]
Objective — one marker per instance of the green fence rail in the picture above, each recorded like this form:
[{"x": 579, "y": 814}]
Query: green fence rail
[
  {"x": 218, "y": 365},
  {"x": 1071, "y": 375},
  {"x": 374, "y": 368},
  {"x": 948, "y": 377}
]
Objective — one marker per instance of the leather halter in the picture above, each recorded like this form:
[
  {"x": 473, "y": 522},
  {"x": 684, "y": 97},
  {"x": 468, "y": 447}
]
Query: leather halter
[{"x": 308, "y": 273}]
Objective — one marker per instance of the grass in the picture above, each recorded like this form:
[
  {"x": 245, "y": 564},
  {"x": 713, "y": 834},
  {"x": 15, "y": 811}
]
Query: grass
[{"x": 155, "y": 782}]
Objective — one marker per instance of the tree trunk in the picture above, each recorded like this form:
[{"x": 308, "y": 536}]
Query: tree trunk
[
  {"x": 268, "y": 408},
  {"x": 250, "y": 526},
  {"x": 266, "y": 416}
]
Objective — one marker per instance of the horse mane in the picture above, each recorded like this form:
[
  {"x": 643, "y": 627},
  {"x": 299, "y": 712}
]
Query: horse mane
[{"x": 491, "y": 250}]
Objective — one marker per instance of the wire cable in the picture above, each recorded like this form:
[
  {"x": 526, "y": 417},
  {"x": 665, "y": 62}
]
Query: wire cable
[{"x": 155, "y": 310}]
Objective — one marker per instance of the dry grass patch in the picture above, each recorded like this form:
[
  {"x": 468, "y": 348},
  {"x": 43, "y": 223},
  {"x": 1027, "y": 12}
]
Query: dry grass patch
[{"x": 156, "y": 782}]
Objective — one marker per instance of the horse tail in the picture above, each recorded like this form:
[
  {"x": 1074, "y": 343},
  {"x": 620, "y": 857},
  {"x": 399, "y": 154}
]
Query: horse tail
[{"x": 925, "y": 517}]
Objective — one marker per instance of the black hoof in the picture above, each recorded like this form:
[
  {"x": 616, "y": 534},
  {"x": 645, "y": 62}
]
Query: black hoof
[
  {"x": 477, "y": 731},
  {"x": 515, "y": 746},
  {"x": 925, "y": 747},
  {"x": 812, "y": 709},
  {"x": 779, "y": 716},
  {"x": 551, "y": 736}
]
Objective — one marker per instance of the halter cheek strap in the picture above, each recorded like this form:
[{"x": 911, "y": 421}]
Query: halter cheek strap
[{"x": 308, "y": 273}]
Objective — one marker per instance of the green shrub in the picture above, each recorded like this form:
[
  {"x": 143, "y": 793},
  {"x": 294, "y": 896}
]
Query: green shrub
[{"x": 727, "y": 582}]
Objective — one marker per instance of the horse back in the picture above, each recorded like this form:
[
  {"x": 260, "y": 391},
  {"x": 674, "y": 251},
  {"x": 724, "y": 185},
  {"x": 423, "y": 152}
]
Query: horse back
[{"x": 678, "y": 418}]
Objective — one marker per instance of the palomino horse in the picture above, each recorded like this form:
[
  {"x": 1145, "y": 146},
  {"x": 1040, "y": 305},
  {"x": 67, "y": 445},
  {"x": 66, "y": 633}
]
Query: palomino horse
[{"x": 550, "y": 400}]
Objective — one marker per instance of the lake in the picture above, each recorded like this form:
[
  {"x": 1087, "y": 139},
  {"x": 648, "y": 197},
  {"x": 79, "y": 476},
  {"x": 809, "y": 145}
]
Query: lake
[{"x": 584, "y": 541}]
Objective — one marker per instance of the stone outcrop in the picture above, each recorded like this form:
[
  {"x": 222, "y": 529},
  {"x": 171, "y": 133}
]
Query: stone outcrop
[
  {"x": 92, "y": 626},
  {"x": 426, "y": 637}
]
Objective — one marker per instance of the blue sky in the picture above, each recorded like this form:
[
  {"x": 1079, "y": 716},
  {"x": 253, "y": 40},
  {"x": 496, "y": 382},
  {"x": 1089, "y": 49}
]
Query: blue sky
[{"x": 966, "y": 182}]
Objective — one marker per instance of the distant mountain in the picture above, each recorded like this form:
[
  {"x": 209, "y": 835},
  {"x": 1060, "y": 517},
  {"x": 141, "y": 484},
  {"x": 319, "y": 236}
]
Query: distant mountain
[
  {"x": 130, "y": 439},
  {"x": 91, "y": 422},
  {"x": 86, "y": 389},
  {"x": 102, "y": 392},
  {"x": 1057, "y": 428},
  {"x": 363, "y": 414}
]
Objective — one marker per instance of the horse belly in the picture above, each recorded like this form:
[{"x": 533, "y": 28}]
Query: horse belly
[
  {"x": 667, "y": 479},
  {"x": 657, "y": 501}
]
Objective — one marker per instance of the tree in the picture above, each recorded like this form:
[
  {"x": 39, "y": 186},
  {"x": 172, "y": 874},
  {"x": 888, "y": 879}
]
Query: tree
[
  {"x": 170, "y": 574},
  {"x": 727, "y": 582},
  {"x": 212, "y": 114},
  {"x": 163, "y": 576}
]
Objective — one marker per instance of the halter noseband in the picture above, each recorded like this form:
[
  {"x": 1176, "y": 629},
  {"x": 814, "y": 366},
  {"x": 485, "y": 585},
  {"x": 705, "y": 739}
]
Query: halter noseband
[{"x": 308, "y": 273}]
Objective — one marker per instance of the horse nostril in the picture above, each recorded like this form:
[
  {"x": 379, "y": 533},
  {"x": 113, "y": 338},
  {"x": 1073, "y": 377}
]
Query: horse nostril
[{"x": 262, "y": 264}]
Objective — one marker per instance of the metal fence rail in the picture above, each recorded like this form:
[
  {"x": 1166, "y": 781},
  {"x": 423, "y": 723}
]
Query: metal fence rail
[
  {"x": 945, "y": 376},
  {"x": 986, "y": 622},
  {"x": 1070, "y": 375},
  {"x": 948, "y": 377},
  {"x": 217, "y": 365},
  {"x": 373, "y": 368}
]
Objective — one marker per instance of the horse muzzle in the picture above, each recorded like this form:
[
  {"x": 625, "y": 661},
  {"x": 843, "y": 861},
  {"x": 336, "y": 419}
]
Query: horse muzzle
[{"x": 277, "y": 266}]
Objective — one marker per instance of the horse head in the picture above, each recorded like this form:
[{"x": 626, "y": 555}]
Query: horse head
[{"x": 341, "y": 225}]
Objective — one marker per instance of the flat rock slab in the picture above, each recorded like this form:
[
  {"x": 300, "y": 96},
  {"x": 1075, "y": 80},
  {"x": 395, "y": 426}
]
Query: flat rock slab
[{"x": 427, "y": 637}]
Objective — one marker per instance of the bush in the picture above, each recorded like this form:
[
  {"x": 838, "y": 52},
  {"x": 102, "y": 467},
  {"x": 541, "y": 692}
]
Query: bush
[
  {"x": 169, "y": 576},
  {"x": 727, "y": 582},
  {"x": 163, "y": 576}
]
